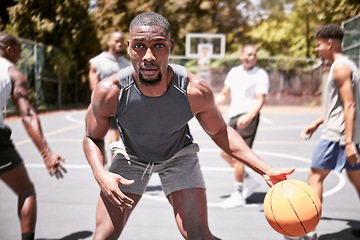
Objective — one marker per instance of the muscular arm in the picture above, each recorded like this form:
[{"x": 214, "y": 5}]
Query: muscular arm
[
  {"x": 93, "y": 77},
  {"x": 97, "y": 119},
  {"x": 32, "y": 124},
  {"x": 93, "y": 143},
  {"x": 102, "y": 106},
  {"x": 203, "y": 106},
  {"x": 342, "y": 78}
]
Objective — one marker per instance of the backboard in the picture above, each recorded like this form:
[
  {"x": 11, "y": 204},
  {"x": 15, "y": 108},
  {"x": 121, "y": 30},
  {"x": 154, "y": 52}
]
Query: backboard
[{"x": 205, "y": 45}]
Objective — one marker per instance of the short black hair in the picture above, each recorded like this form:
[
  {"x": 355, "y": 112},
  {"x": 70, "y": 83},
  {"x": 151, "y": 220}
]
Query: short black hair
[
  {"x": 330, "y": 31},
  {"x": 6, "y": 39},
  {"x": 150, "y": 19}
]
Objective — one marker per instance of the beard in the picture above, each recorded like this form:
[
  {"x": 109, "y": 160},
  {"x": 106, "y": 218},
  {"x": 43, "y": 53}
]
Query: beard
[
  {"x": 150, "y": 82},
  {"x": 118, "y": 51}
]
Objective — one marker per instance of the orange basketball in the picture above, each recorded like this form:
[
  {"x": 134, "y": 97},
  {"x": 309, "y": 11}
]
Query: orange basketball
[{"x": 292, "y": 208}]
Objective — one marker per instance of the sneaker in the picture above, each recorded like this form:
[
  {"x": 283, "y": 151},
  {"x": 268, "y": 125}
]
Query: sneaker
[
  {"x": 310, "y": 236},
  {"x": 236, "y": 199},
  {"x": 250, "y": 184},
  {"x": 292, "y": 238}
]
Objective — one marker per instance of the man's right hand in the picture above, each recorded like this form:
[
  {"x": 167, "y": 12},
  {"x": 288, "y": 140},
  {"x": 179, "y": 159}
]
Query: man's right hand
[
  {"x": 308, "y": 132},
  {"x": 109, "y": 184},
  {"x": 54, "y": 164}
]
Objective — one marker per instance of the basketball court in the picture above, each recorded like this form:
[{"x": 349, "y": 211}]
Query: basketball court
[{"x": 66, "y": 208}]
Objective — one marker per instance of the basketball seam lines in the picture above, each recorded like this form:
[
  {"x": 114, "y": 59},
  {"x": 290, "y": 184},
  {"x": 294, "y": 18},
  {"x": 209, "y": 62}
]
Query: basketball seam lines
[
  {"x": 312, "y": 199},
  {"x": 272, "y": 210},
  {"x": 273, "y": 214},
  {"x": 300, "y": 221}
]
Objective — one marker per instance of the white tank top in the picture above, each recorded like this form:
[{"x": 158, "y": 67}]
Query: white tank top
[{"x": 5, "y": 86}]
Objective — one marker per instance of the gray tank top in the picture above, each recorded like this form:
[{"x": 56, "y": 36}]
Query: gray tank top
[
  {"x": 334, "y": 126},
  {"x": 154, "y": 128},
  {"x": 107, "y": 64}
]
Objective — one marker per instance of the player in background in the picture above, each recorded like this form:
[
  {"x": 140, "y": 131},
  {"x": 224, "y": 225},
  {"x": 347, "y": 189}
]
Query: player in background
[
  {"x": 246, "y": 86},
  {"x": 338, "y": 146},
  {"x": 106, "y": 64},
  {"x": 153, "y": 102},
  {"x": 12, "y": 170}
]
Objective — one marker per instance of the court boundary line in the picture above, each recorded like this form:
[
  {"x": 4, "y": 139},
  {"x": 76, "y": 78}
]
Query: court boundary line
[
  {"x": 70, "y": 117},
  {"x": 328, "y": 193}
]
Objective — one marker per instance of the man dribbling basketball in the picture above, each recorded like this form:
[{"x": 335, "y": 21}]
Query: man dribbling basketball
[{"x": 153, "y": 102}]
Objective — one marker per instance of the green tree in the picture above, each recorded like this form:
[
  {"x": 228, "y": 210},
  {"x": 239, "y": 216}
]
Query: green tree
[
  {"x": 308, "y": 15},
  {"x": 185, "y": 16},
  {"x": 291, "y": 33},
  {"x": 62, "y": 24},
  {"x": 335, "y": 11},
  {"x": 4, "y": 16}
]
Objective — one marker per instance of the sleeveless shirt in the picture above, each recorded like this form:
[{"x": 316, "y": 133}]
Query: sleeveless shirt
[
  {"x": 5, "y": 85},
  {"x": 334, "y": 125},
  {"x": 154, "y": 128},
  {"x": 107, "y": 64}
]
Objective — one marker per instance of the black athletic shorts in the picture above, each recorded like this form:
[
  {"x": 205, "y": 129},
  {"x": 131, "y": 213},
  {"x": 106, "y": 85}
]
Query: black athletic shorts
[
  {"x": 248, "y": 133},
  {"x": 113, "y": 123},
  {"x": 9, "y": 157}
]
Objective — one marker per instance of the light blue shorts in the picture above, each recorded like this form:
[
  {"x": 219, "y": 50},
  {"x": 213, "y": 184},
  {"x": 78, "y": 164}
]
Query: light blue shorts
[
  {"x": 331, "y": 156},
  {"x": 182, "y": 171}
]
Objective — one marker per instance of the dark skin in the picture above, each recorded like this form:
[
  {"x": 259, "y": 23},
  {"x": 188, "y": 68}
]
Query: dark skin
[
  {"x": 17, "y": 179},
  {"x": 30, "y": 119},
  {"x": 149, "y": 48},
  {"x": 116, "y": 45}
]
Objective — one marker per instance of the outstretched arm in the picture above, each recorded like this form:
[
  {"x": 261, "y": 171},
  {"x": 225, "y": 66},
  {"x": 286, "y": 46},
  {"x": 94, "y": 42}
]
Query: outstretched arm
[
  {"x": 309, "y": 130},
  {"x": 31, "y": 122},
  {"x": 203, "y": 106}
]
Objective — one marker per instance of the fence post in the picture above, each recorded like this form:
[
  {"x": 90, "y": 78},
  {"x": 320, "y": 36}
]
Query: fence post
[
  {"x": 36, "y": 77},
  {"x": 59, "y": 92}
]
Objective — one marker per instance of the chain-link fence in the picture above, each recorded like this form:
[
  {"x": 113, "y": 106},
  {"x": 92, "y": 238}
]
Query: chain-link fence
[
  {"x": 47, "y": 90},
  {"x": 351, "y": 43}
]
